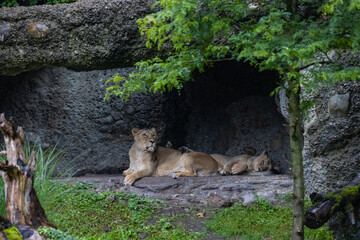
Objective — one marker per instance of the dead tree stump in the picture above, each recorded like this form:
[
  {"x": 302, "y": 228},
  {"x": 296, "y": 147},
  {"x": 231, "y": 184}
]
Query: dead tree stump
[{"x": 22, "y": 204}]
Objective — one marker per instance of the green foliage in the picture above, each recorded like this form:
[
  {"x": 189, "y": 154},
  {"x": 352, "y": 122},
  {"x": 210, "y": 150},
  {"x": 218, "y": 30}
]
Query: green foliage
[
  {"x": 261, "y": 220},
  {"x": 55, "y": 234},
  {"x": 264, "y": 33},
  {"x": 15, "y": 3},
  {"x": 191, "y": 32}
]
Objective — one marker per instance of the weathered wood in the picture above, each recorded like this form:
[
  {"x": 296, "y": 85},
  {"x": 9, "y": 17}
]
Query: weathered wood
[
  {"x": 326, "y": 206},
  {"x": 22, "y": 204},
  {"x": 85, "y": 35}
]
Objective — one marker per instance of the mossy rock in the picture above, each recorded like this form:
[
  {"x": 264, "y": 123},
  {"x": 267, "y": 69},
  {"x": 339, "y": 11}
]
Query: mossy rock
[{"x": 13, "y": 233}]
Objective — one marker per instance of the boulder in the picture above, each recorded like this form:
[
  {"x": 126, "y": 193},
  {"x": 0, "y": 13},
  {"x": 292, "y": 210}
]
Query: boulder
[
  {"x": 84, "y": 35},
  {"x": 332, "y": 135}
]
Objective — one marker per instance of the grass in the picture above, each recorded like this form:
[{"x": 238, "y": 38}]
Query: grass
[
  {"x": 109, "y": 215},
  {"x": 261, "y": 220},
  {"x": 46, "y": 163},
  {"x": 2, "y": 192}
]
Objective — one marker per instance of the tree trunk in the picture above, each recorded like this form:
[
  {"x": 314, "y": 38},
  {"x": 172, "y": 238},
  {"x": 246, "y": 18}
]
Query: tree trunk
[
  {"x": 296, "y": 143},
  {"x": 324, "y": 208},
  {"x": 22, "y": 204},
  {"x": 85, "y": 35}
]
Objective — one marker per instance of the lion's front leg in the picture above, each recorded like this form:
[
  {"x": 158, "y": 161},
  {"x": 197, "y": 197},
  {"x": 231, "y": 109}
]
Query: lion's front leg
[{"x": 130, "y": 179}]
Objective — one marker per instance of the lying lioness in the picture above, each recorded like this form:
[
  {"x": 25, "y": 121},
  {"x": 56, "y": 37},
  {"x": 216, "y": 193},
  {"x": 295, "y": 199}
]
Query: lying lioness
[
  {"x": 242, "y": 163},
  {"x": 148, "y": 159}
]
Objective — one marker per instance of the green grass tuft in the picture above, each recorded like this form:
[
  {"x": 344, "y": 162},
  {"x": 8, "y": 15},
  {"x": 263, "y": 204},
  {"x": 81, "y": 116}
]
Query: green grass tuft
[
  {"x": 109, "y": 215},
  {"x": 261, "y": 220}
]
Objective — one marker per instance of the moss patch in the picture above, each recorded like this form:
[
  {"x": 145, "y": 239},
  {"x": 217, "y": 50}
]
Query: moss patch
[
  {"x": 348, "y": 193},
  {"x": 13, "y": 233}
]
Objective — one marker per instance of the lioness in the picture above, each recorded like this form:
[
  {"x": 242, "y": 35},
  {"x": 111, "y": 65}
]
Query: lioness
[
  {"x": 242, "y": 163},
  {"x": 148, "y": 159}
]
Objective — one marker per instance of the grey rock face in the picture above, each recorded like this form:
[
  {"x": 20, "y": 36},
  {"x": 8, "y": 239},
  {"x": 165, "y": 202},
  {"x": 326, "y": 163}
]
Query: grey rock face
[
  {"x": 59, "y": 106},
  {"x": 84, "y": 35},
  {"x": 332, "y": 136}
]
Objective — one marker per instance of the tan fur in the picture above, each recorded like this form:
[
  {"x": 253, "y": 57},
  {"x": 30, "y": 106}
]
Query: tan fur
[
  {"x": 147, "y": 159},
  {"x": 242, "y": 163}
]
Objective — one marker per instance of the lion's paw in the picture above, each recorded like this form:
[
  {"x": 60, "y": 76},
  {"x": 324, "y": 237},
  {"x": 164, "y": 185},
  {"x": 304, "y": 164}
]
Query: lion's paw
[
  {"x": 237, "y": 169},
  {"x": 224, "y": 172},
  {"x": 129, "y": 180},
  {"x": 174, "y": 175}
]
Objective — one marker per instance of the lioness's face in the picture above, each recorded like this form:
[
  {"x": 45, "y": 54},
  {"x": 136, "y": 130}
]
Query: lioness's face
[
  {"x": 262, "y": 163},
  {"x": 145, "y": 139}
]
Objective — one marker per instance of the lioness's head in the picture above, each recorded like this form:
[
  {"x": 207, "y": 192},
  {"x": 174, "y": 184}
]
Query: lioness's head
[
  {"x": 262, "y": 162},
  {"x": 145, "y": 139}
]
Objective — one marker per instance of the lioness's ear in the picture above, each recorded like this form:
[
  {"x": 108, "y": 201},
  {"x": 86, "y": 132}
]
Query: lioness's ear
[
  {"x": 135, "y": 131},
  {"x": 153, "y": 130},
  {"x": 265, "y": 153}
]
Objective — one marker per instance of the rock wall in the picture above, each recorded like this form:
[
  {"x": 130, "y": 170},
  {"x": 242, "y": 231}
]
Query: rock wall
[
  {"x": 233, "y": 115},
  {"x": 60, "y": 106},
  {"x": 84, "y": 35},
  {"x": 332, "y": 136}
]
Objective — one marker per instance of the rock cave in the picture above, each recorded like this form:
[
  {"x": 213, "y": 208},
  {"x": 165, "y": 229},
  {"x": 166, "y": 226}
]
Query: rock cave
[{"x": 233, "y": 116}]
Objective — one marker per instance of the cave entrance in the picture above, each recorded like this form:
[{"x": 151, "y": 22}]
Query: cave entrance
[{"x": 228, "y": 110}]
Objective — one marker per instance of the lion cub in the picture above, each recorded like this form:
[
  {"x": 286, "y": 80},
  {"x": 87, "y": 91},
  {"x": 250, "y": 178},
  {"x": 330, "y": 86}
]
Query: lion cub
[
  {"x": 242, "y": 163},
  {"x": 148, "y": 159}
]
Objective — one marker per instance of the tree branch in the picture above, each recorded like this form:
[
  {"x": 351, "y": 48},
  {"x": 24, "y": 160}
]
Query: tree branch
[{"x": 312, "y": 64}]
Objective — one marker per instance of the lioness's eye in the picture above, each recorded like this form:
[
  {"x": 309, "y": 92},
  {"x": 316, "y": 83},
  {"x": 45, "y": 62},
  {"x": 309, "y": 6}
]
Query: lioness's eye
[{"x": 144, "y": 134}]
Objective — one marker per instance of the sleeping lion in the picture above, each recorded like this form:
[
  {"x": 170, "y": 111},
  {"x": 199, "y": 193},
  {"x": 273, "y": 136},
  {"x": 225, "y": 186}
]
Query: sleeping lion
[{"x": 243, "y": 163}]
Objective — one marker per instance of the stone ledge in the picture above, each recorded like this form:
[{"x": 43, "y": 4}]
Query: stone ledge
[{"x": 216, "y": 191}]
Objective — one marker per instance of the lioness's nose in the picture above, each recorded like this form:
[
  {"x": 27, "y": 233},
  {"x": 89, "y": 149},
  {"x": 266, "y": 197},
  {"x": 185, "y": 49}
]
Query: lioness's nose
[{"x": 152, "y": 142}]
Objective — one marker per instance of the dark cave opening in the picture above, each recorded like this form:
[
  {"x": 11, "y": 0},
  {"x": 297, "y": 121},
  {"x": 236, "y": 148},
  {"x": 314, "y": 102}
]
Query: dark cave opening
[{"x": 228, "y": 110}]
